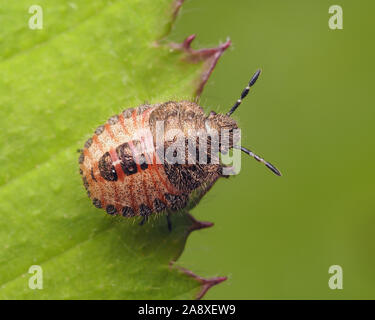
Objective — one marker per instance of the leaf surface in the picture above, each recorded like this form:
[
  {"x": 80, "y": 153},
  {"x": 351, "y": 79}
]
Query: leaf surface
[{"x": 92, "y": 59}]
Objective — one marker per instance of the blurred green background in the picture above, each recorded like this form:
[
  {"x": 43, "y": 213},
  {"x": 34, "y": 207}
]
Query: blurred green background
[{"x": 312, "y": 115}]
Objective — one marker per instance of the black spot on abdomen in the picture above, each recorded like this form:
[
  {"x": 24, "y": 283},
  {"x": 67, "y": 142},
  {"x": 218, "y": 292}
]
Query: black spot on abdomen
[
  {"x": 144, "y": 210},
  {"x": 81, "y": 158},
  {"x": 111, "y": 209},
  {"x": 92, "y": 174},
  {"x": 106, "y": 168},
  {"x": 127, "y": 212},
  {"x": 159, "y": 205},
  {"x": 85, "y": 183},
  {"x": 125, "y": 155},
  {"x": 176, "y": 202},
  {"x": 96, "y": 202}
]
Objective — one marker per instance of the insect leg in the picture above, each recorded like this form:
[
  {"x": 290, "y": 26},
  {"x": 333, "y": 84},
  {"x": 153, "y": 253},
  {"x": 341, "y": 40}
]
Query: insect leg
[
  {"x": 169, "y": 223},
  {"x": 144, "y": 219}
]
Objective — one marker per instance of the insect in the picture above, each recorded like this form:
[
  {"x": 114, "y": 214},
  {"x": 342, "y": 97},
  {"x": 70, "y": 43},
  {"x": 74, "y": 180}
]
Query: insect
[{"x": 121, "y": 168}]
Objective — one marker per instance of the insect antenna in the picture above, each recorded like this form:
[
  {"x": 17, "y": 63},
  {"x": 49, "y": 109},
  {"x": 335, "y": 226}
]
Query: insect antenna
[
  {"x": 257, "y": 158},
  {"x": 245, "y": 92}
]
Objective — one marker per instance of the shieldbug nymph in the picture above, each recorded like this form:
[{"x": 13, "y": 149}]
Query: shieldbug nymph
[{"x": 124, "y": 165}]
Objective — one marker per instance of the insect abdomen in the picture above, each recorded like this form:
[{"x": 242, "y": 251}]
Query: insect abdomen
[{"x": 119, "y": 173}]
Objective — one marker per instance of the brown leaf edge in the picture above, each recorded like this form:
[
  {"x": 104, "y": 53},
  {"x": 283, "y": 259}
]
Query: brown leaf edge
[
  {"x": 209, "y": 56},
  {"x": 205, "y": 284}
]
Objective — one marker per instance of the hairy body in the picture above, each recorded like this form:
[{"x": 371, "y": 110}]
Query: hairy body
[
  {"x": 127, "y": 170},
  {"x": 121, "y": 168}
]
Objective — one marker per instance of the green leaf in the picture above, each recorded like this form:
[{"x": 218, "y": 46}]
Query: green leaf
[{"x": 92, "y": 59}]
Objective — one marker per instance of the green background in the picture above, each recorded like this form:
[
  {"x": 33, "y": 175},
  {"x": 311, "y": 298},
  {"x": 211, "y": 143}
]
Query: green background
[{"x": 312, "y": 115}]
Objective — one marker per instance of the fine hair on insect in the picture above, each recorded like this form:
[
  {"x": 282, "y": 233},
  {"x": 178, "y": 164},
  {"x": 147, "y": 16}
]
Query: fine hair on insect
[{"x": 156, "y": 158}]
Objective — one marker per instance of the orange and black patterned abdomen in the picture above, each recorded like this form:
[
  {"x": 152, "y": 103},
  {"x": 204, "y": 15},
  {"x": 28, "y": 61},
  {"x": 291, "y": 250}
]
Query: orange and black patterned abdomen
[{"x": 119, "y": 168}]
